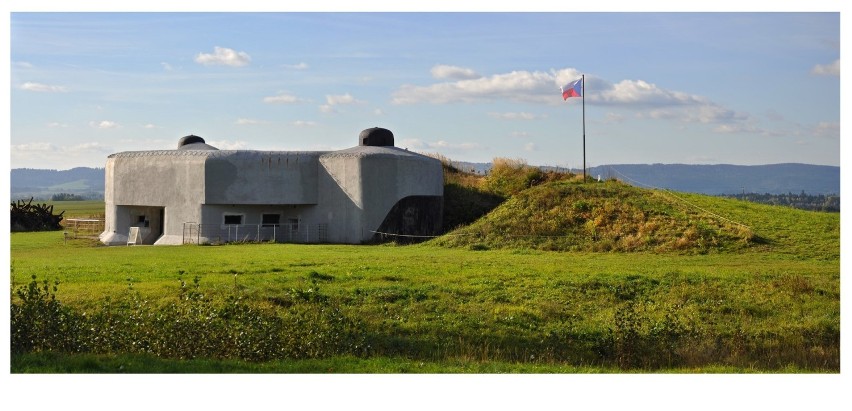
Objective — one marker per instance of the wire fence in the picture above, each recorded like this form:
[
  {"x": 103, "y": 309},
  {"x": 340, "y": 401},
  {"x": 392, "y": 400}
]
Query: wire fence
[{"x": 195, "y": 233}]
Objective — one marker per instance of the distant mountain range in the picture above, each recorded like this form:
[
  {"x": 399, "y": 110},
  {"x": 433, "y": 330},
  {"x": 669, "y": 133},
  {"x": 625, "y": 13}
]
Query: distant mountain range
[
  {"x": 705, "y": 179},
  {"x": 42, "y": 184},
  {"x": 715, "y": 179}
]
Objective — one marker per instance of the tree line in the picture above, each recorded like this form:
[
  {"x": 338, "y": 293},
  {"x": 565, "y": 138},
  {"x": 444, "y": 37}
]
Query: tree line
[{"x": 802, "y": 201}]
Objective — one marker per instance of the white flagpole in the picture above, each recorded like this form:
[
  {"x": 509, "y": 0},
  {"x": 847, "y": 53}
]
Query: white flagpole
[{"x": 583, "y": 79}]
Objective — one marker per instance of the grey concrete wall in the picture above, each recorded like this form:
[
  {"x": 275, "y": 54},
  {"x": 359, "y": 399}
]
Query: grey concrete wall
[
  {"x": 368, "y": 181},
  {"x": 398, "y": 174},
  {"x": 261, "y": 177},
  {"x": 169, "y": 179},
  {"x": 350, "y": 190},
  {"x": 340, "y": 201}
]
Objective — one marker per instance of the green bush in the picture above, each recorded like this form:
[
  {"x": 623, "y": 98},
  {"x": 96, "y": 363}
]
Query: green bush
[{"x": 191, "y": 327}]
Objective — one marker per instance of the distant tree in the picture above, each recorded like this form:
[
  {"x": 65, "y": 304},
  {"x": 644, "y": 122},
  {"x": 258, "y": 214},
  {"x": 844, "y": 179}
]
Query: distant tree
[{"x": 66, "y": 197}]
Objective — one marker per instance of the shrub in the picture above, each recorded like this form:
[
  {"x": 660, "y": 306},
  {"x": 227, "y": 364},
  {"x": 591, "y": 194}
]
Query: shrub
[{"x": 190, "y": 327}]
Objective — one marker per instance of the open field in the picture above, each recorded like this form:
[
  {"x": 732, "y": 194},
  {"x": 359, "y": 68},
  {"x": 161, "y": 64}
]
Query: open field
[
  {"x": 77, "y": 209},
  {"x": 562, "y": 277},
  {"x": 767, "y": 310}
]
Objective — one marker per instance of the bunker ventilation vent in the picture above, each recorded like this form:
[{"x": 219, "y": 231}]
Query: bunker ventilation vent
[
  {"x": 193, "y": 142},
  {"x": 376, "y": 136}
]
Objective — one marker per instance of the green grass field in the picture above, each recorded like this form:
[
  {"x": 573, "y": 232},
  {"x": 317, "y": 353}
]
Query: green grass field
[
  {"x": 78, "y": 209},
  {"x": 765, "y": 298}
]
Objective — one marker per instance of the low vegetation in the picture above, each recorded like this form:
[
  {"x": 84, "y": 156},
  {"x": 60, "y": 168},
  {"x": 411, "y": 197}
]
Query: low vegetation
[
  {"x": 652, "y": 281},
  {"x": 569, "y": 215}
]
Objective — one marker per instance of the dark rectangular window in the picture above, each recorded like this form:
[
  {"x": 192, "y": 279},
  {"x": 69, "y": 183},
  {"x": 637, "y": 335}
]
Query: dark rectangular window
[
  {"x": 233, "y": 219},
  {"x": 269, "y": 220}
]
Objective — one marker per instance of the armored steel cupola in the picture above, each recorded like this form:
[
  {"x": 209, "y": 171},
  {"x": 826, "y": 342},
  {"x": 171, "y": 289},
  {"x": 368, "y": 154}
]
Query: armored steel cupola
[
  {"x": 193, "y": 142},
  {"x": 376, "y": 136}
]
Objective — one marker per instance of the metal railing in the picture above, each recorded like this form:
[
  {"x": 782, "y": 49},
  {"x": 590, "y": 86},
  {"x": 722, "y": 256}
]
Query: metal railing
[
  {"x": 83, "y": 227},
  {"x": 195, "y": 233}
]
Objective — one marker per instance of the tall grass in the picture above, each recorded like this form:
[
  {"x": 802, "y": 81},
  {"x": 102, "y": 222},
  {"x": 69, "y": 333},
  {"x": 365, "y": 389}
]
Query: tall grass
[{"x": 755, "y": 311}]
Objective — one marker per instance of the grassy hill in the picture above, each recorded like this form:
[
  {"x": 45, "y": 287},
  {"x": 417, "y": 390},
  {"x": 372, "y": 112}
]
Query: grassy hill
[
  {"x": 608, "y": 216},
  {"x": 565, "y": 214}
]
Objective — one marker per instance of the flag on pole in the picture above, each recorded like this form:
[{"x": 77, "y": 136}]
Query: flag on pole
[{"x": 572, "y": 89}]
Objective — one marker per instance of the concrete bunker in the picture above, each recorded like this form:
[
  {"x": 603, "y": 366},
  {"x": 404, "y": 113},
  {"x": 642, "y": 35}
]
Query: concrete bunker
[{"x": 199, "y": 194}]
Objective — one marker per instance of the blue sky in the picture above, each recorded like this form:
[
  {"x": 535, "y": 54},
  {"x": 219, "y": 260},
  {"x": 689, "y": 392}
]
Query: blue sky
[{"x": 697, "y": 88}]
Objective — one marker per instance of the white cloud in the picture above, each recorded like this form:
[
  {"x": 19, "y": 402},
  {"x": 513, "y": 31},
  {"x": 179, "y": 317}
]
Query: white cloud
[
  {"x": 543, "y": 87},
  {"x": 151, "y": 126},
  {"x": 378, "y": 112},
  {"x": 88, "y": 147},
  {"x": 641, "y": 93},
  {"x": 249, "y": 121},
  {"x": 520, "y": 134},
  {"x": 530, "y": 147},
  {"x": 57, "y": 124},
  {"x": 300, "y": 66},
  {"x": 282, "y": 99},
  {"x": 334, "y": 100},
  {"x": 454, "y": 72},
  {"x": 33, "y": 148},
  {"x": 23, "y": 64},
  {"x": 228, "y": 145},
  {"x": 304, "y": 123},
  {"x": 167, "y": 66},
  {"x": 516, "y": 116},
  {"x": 646, "y": 99},
  {"x": 342, "y": 99},
  {"x": 104, "y": 124},
  {"x": 827, "y": 130},
  {"x": 832, "y": 69},
  {"x": 43, "y": 88},
  {"x": 417, "y": 144},
  {"x": 521, "y": 86},
  {"x": 47, "y": 155},
  {"x": 223, "y": 57}
]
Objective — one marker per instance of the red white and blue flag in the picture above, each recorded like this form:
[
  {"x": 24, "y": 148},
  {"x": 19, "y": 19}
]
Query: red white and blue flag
[{"x": 572, "y": 89}]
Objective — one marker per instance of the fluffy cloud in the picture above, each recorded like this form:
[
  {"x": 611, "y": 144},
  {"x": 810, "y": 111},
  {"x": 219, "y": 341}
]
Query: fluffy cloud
[
  {"x": 641, "y": 93},
  {"x": 521, "y": 86},
  {"x": 47, "y": 155},
  {"x": 417, "y": 144},
  {"x": 249, "y": 121},
  {"x": 43, "y": 88},
  {"x": 646, "y": 99},
  {"x": 33, "y": 147},
  {"x": 104, "y": 124},
  {"x": 229, "y": 145},
  {"x": 341, "y": 99},
  {"x": 223, "y": 57},
  {"x": 543, "y": 87},
  {"x": 334, "y": 100},
  {"x": 282, "y": 99},
  {"x": 832, "y": 69},
  {"x": 454, "y": 72},
  {"x": 304, "y": 123}
]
